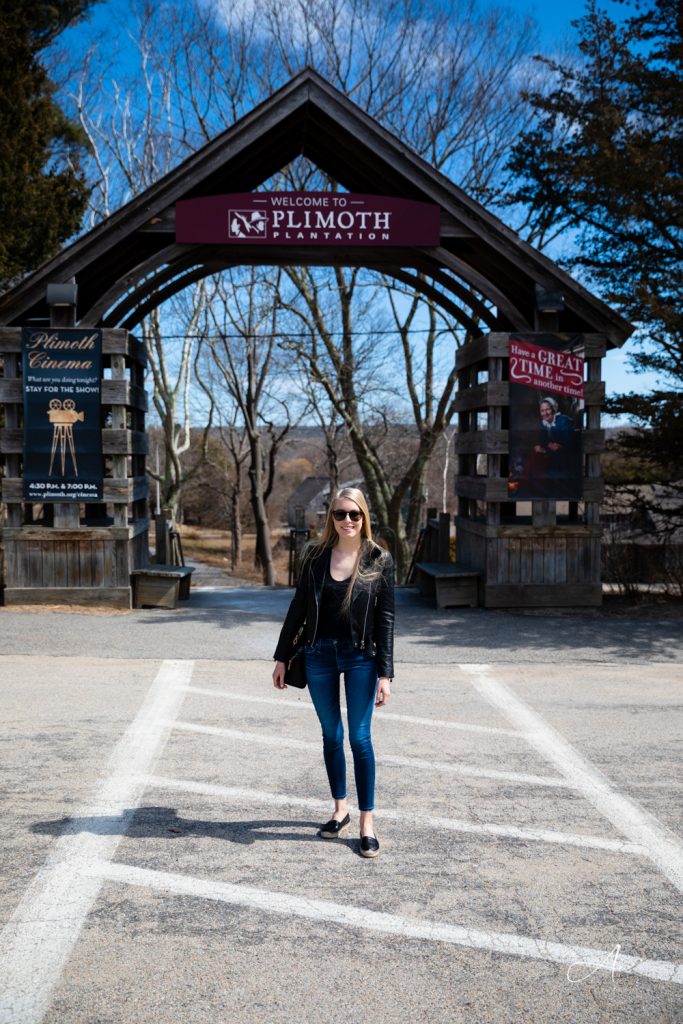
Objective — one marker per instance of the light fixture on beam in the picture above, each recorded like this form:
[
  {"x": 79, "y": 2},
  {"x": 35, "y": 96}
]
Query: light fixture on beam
[
  {"x": 62, "y": 294},
  {"x": 548, "y": 300}
]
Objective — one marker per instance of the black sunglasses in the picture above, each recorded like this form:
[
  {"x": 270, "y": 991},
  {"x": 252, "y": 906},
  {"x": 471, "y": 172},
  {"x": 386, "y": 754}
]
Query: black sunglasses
[{"x": 340, "y": 515}]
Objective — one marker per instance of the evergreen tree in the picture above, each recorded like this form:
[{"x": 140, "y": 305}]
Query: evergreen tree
[
  {"x": 603, "y": 159},
  {"x": 42, "y": 189}
]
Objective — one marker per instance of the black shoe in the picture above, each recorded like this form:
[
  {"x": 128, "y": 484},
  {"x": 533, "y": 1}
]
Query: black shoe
[
  {"x": 333, "y": 828},
  {"x": 369, "y": 847}
]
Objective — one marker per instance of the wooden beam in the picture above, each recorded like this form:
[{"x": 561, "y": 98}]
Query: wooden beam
[
  {"x": 112, "y": 597},
  {"x": 496, "y": 442},
  {"x": 483, "y": 395},
  {"x": 116, "y": 490},
  {"x": 481, "y": 349},
  {"x": 482, "y": 488},
  {"x": 121, "y": 442},
  {"x": 113, "y": 392},
  {"x": 526, "y": 531}
]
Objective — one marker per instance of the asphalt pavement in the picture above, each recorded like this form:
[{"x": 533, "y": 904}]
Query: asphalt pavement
[
  {"x": 242, "y": 623},
  {"x": 160, "y": 806}
]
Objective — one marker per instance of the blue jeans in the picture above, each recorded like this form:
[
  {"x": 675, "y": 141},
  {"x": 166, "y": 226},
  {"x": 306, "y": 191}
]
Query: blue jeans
[{"x": 325, "y": 660}]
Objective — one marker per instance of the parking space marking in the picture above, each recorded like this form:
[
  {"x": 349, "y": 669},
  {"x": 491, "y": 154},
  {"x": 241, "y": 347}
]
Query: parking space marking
[
  {"x": 283, "y": 702},
  {"x": 393, "y": 759},
  {"x": 427, "y": 821},
  {"x": 663, "y": 847},
  {"x": 313, "y": 909},
  {"x": 37, "y": 940}
]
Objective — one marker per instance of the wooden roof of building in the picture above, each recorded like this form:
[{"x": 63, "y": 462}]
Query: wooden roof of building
[{"x": 482, "y": 271}]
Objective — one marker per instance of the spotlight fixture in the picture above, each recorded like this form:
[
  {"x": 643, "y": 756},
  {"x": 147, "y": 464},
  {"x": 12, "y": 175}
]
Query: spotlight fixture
[
  {"x": 62, "y": 294},
  {"x": 548, "y": 300}
]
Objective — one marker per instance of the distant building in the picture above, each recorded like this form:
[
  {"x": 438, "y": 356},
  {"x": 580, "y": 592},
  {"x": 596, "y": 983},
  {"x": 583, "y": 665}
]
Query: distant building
[
  {"x": 307, "y": 495},
  {"x": 313, "y": 495}
]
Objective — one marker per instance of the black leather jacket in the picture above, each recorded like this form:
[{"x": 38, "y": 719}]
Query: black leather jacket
[{"x": 372, "y": 610}]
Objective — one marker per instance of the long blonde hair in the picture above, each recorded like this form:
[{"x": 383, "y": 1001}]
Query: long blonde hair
[{"x": 330, "y": 537}]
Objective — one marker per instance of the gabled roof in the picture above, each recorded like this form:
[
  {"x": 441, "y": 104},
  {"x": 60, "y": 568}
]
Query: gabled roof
[{"x": 479, "y": 256}]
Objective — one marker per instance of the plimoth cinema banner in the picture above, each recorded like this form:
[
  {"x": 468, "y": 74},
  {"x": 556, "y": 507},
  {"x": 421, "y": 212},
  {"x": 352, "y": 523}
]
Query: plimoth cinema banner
[
  {"x": 546, "y": 412},
  {"x": 62, "y": 371}
]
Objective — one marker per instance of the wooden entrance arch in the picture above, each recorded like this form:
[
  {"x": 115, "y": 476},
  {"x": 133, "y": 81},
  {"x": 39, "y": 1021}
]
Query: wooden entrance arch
[{"x": 480, "y": 272}]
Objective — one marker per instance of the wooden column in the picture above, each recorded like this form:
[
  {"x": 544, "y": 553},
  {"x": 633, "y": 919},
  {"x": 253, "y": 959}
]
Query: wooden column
[
  {"x": 12, "y": 411},
  {"x": 119, "y": 422},
  {"x": 67, "y": 514},
  {"x": 532, "y": 561},
  {"x": 89, "y": 562}
]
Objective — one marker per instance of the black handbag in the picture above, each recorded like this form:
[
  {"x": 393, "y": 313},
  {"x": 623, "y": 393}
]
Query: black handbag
[{"x": 295, "y": 672}]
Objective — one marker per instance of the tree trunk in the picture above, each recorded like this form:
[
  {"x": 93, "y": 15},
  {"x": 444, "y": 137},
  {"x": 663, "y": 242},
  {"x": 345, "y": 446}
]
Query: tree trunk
[
  {"x": 235, "y": 528},
  {"x": 263, "y": 555}
]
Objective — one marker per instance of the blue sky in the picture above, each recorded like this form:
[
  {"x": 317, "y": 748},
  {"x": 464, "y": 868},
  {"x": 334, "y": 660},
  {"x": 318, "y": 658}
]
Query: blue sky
[
  {"x": 554, "y": 17},
  {"x": 556, "y": 34}
]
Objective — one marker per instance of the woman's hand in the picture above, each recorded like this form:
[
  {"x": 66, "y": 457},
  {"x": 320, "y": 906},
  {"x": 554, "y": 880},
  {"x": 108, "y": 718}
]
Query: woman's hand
[
  {"x": 383, "y": 692},
  {"x": 279, "y": 675}
]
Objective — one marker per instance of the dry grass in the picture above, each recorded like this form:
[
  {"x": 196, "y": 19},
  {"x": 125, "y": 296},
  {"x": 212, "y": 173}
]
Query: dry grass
[{"x": 212, "y": 547}]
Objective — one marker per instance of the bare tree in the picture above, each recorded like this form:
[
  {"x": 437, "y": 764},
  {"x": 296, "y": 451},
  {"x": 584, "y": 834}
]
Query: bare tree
[
  {"x": 358, "y": 374},
  {"x": 244, "y": 355},
  {"x": 232, "y": 442},
  {"x": 172, "y": 377},
  {"x": 236, "y": 445},
  {"x": 448, "y": 79},
  {"x": 134, "y": 140}
]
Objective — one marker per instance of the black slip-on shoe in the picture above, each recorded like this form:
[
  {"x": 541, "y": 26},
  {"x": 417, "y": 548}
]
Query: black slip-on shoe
[
  {"x": 369, "y": 847},
  {"x": 332, "y": 828}
]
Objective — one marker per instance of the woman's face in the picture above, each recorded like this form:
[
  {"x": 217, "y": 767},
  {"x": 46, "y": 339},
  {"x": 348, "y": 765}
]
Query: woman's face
[
  {"x": 547, "y": 412},
  {"x": 347, "y": 528}
]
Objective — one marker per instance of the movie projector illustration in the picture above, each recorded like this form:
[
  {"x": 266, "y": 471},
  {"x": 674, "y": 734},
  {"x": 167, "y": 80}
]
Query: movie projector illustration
[{"x": 62, "y": 416}]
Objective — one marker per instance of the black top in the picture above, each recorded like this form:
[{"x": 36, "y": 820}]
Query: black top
[
  {"x": 371, "y": 623},
  {"x": 333, "y": 624}
]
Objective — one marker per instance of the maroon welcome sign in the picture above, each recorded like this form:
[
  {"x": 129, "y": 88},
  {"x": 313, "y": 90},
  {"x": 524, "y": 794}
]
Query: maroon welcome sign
[{"x": 306, "y": 218}]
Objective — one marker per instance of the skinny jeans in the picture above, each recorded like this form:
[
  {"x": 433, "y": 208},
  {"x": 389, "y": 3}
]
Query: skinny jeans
[{"x": 325, "y": 661}]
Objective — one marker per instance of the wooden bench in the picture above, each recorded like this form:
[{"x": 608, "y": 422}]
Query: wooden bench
[
  {"x": 447, "y": 585},
  {"x": 161, "y": 586}
]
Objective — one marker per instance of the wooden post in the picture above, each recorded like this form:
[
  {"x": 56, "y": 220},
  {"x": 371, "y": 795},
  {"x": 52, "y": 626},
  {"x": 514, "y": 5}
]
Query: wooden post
[
  {"x": 67, "y": 514},
  {"x": 118, "y": 422},
  {"x": 593, "y": 461},
  {"x": 13, "y": 462},
  {"x": 161, "y": 552},
  {"x": 444, "y": 544},
  {"x": 542, "y": 564}
]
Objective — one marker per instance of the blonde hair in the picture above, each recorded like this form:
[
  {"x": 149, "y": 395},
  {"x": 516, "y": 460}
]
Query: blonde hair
[{"x": 330, "y": 538}]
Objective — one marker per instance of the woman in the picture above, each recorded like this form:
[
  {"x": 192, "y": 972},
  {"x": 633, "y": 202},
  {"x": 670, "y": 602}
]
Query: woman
[
  {"x": 345, "y": 603},
  {"x": 557, "y": 429}
]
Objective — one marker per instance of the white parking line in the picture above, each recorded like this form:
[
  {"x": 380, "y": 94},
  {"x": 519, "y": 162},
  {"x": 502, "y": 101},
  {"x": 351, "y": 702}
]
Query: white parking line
[
  {"x": 389, "y": 924},
  {"x": 38, "y": 938},
  {"x": 404, "y": 762},
  {"x": 663, "y": 847},
  {"x": 536, "y": 835},
  {"x": 284, "y": 702}
]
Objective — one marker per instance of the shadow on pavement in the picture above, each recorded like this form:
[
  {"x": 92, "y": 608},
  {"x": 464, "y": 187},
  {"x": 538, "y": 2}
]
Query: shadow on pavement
[
  {"x": 419, "y": 625},
  {"x": 154, "y": 822}
]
